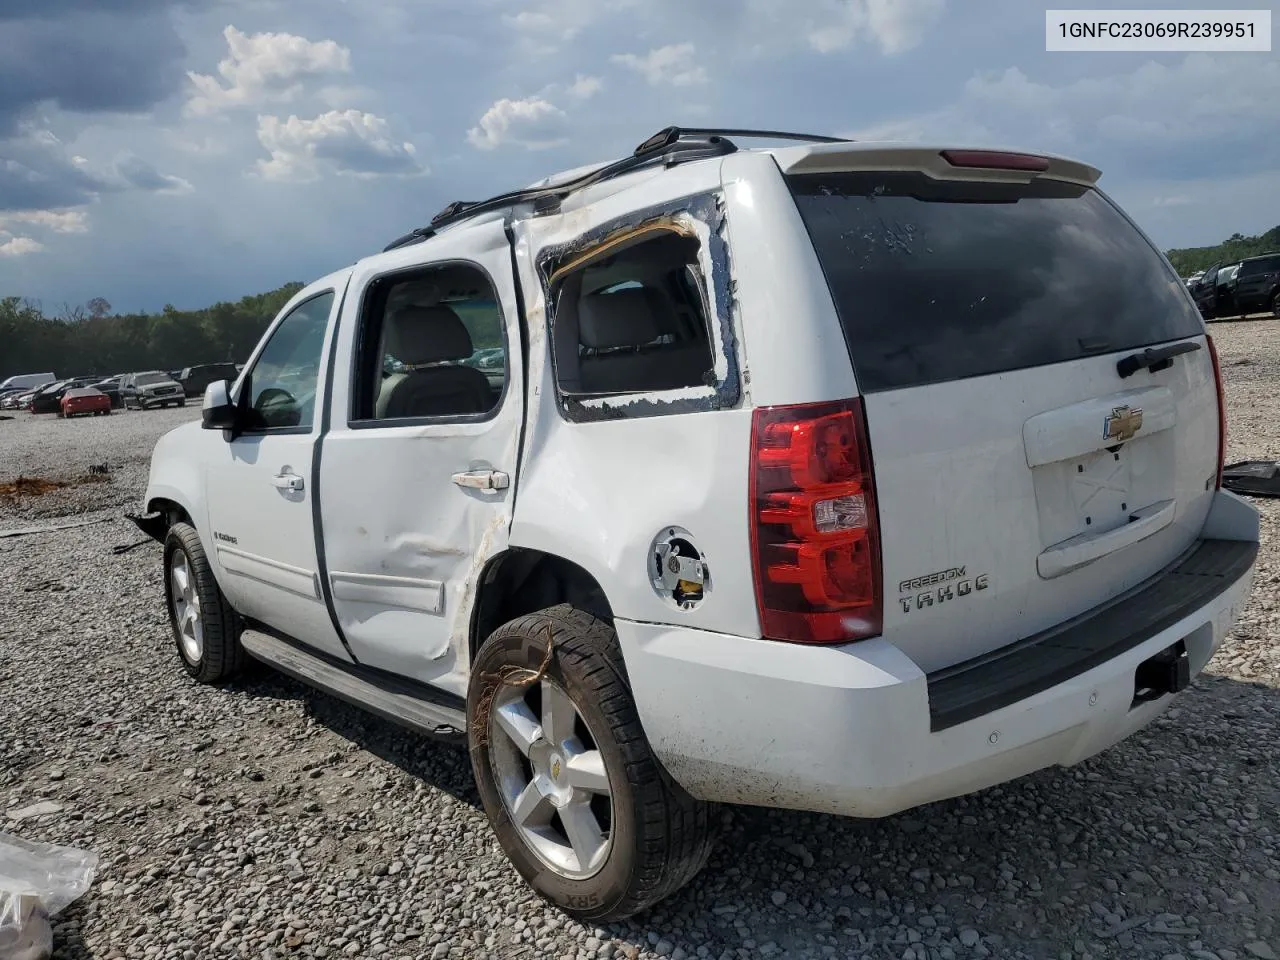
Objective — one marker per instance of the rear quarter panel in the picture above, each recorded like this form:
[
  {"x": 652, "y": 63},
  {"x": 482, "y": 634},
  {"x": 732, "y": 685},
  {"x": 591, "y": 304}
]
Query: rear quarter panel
[{"x": 599, "y": 491}]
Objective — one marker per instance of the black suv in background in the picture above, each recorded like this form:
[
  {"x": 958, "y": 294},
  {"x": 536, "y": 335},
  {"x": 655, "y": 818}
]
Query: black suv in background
[
  {"x": 1257, "y": 285},
  {"x": 195, "y": 379},
  {"x": 111, "y": 387},
  {"x": 1239, "y": 287},
  {"x": 1213, "y": 291}
]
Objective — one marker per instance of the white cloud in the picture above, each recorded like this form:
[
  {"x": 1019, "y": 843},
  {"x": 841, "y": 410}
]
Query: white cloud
[
  {"x": 20, "y": 246},
  {"x": 57, "y": 221},
  {"x": 584, "y": 87},
  {"x": 675, "y": 64},
  {"x": 551, "y": 21},
  {"x": 1201, "y": 102},
  {"x": 1197, "y": 98},
  {"x": 264, "y": 67},
  {"x": 341, "y": 141},
  {"x": 138, "y": 173},
  {"x": 532, "y": 123},
  {"x": 1178, "y": 200},
  {"x": 751, "y": 25},
  {"x": 896, "y": 25}
]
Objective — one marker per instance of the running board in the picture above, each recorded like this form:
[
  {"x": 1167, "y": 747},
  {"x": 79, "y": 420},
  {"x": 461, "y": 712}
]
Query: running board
[{"x": 393, "y": 698}]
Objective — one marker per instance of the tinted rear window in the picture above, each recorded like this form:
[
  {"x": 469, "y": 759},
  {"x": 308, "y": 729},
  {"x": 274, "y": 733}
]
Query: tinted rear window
[
  {"x": 937, "y": 281},
  {"x": 1266, "y": 265}
]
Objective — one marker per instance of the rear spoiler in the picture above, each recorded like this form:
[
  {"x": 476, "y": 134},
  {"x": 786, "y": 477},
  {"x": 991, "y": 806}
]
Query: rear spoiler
[{"x": 965, "y": 163}]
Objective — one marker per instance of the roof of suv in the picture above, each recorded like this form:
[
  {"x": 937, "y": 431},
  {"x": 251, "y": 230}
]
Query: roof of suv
[{"x": 819, "y": 153}]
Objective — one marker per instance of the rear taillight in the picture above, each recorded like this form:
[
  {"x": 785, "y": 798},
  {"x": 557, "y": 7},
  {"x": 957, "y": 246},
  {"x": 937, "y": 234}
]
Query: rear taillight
[
  {"x": 1222, "y": 410},
  {"x": 814, "y": 526}
]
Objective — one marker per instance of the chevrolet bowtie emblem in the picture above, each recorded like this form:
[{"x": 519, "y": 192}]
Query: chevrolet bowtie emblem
[{"x": 1122, "y": 424}]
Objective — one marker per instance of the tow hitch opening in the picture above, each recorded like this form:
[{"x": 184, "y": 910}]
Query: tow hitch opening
[{"x": 1169, "y": 671}]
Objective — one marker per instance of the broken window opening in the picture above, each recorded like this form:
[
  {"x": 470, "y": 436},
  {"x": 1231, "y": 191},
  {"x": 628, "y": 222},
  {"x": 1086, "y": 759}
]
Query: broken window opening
[{"x": 631, "y": 316}]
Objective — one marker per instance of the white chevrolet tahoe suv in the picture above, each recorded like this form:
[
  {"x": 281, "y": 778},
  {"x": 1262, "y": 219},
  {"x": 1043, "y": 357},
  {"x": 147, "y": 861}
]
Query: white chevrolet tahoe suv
[{"x": 840, "y": 477}]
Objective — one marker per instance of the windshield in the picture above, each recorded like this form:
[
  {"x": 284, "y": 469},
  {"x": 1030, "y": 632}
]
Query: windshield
[
  {"x": 940, "y": 280},
  {"x": 146, "y": 379}
]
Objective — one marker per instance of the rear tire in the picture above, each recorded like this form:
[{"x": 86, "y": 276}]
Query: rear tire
[
  {"x": 1275, "y": 305},
  {"x": 206, "y": 630},
  {"x": 637, "y": 836}
]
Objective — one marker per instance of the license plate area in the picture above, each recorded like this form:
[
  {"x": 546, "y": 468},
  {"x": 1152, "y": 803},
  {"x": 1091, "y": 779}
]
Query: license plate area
[{"x": 1168, "y": 671}]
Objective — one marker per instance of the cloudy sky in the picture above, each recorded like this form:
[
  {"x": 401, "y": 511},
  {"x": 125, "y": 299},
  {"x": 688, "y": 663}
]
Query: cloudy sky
[{"x": 185, "y": 151}]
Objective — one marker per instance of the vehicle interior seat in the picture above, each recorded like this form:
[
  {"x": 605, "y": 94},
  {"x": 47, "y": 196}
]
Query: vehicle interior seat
[
  {"x": 629, "y": 340},
  {"x": 429, "y": 341}
]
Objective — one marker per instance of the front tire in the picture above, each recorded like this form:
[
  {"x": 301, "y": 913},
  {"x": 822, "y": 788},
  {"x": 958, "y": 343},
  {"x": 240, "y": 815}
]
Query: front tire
[
  {"x": 205, "y": 629},
  {"x": 577, "y": 799},
  {"x": 1275, "y": 305}
]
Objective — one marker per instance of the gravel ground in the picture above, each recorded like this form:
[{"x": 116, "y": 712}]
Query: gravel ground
[{"x": 265, "y": 820}]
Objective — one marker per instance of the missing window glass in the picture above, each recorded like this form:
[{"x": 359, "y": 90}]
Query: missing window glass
[{"x": 631, "y": 318}]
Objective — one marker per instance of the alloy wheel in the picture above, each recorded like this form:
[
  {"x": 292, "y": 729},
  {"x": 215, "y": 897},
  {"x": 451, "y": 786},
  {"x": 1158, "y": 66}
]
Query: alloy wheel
[{"x": 552, "y": 777}]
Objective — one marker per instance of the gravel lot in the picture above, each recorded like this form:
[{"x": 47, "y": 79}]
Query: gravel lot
[{"x": 265, "y": 820}]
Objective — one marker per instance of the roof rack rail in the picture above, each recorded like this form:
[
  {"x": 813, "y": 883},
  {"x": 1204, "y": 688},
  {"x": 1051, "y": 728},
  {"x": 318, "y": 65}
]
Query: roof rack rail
[
  {"x": 670, "y": 136},
  {"x": 672, "y": 144}
]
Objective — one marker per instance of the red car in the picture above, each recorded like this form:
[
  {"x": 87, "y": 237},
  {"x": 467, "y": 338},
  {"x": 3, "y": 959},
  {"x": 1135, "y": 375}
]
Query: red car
[{"x": 85, "y": 400}]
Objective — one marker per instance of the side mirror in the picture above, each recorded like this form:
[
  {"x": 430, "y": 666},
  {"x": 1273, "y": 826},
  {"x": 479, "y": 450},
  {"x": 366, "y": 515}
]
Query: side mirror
[{"x": 218, "y": 412}]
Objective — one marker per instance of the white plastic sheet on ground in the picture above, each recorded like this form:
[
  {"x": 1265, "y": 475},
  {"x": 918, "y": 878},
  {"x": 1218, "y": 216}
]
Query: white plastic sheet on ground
[{"x": 37, "y": 881}]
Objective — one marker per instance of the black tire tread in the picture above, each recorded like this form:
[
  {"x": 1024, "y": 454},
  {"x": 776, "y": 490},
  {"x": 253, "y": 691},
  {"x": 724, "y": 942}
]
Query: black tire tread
[
  {"x": 223, "y": 656},
  {"x": 676, "y": 834}
]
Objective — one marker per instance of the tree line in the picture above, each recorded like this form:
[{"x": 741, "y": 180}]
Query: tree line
[
  {"x": 92, "y": 340},
  {"x": 1236, "y": 247}
]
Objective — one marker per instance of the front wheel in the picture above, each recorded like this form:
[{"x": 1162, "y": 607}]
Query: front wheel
[
  {"x": 577, "y": 799},
  {"x": 205, "y": 628},
  {"x": 1275, "y": 305}
]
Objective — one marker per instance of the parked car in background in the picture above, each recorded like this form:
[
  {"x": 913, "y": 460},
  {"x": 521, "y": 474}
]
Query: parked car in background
[
  {"x": 79, "y": 400},
  {"x": 151, "y": 388},
  {"x": 28, "y": 381},
  {"x": 49, "y": 399},
  {"x": 17, "y": 401},
  {"x": 111, "y": 388},
  {"x": 195, "y": 379},
  {"x": 11, "y": 393},
  {"x": 1257, "y": 285},
  {"x": 1214, "y": 291}
]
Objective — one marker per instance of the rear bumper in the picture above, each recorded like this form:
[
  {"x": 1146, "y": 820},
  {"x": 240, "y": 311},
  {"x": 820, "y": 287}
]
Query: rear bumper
[{"x": 850, "y": 729}]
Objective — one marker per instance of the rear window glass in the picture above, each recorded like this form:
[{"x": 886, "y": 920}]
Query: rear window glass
[
  {"x": 937, "y": 280},
  {"x": 1265, "y": 265}
]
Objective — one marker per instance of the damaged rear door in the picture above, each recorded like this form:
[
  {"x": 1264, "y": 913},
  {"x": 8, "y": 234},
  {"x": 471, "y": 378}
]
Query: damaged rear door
[
  {"x": 419, "y": 465},
  {"x": 1038, "y": 388}
]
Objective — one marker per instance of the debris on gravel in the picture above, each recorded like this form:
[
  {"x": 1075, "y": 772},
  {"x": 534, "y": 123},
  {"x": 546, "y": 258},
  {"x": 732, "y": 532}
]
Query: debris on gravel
[{"x": 265, "y": 820}]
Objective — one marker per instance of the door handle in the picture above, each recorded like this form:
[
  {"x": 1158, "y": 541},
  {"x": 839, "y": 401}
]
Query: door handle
[
  {"x": 287, "y": 481},
  {"x": 482, "y": 479}
]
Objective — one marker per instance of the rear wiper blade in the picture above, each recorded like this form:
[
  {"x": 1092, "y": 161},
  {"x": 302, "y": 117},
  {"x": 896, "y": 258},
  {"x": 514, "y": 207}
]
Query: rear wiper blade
[{"x": 1154, "y": 358}]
